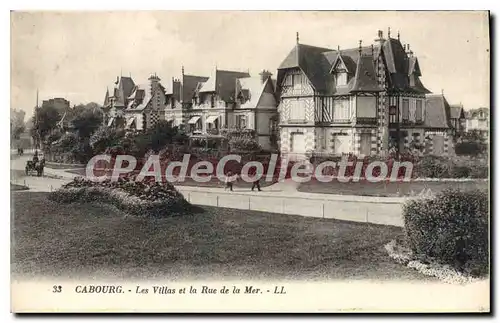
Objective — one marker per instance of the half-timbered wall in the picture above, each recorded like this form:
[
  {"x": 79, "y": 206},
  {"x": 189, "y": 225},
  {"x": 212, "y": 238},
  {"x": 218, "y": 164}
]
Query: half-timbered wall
[
  {"x": 295, "y": 83},
  {"x": 296, "y": 110}
]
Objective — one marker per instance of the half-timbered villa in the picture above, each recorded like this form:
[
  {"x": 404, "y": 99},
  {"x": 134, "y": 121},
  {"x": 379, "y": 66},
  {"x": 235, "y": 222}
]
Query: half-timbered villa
[{"x": 360, "y": 100}]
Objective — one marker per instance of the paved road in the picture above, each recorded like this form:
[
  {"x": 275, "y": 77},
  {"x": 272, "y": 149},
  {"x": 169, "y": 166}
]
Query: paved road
[{"x": 37, "y": 184}]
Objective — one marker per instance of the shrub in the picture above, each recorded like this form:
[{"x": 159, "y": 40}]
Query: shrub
[
  {"x": 145, "y": 198},
  {"x": 470, "y": 148},
  {"x": 432, "y": 167},
  {"x": 451, "y": 228}
]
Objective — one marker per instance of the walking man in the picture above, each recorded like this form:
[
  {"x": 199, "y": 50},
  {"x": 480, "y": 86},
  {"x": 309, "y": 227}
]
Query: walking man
[
  {"x": 256, "y": 184},
  {"x": 229, "y": 181}
]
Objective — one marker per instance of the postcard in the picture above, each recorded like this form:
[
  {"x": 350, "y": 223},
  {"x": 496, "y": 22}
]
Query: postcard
[{"x": 250, "y": 161}]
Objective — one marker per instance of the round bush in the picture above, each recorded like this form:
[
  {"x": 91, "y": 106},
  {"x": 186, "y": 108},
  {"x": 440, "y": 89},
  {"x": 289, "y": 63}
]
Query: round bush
[{"x": 451, "y": 228}]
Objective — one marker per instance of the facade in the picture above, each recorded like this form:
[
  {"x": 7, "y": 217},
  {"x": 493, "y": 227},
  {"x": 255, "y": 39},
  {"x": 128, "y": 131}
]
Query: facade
[
  {"x": 206, "y": 106},
  {"x": 361, "y": 100},
  {"x": 478, "y": 119},
  {"x": 135, "y": 106}
]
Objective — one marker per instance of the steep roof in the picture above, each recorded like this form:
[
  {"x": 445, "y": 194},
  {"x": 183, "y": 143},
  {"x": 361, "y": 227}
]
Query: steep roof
[
  {"x": 252, "y": 89},
  {"x": 317, "y": 64},
  {"x": 457, "y": 111},
  {"x": 140, "y": 97},
  {"x": 365, "y": 78},
  {"x": 312, "y": 62},
  {"x": 189, "y": 85},
  {"x": 122, "y": 89},
  {"x": 223, "y": 83},
  {"x": 437, "y": 112}
]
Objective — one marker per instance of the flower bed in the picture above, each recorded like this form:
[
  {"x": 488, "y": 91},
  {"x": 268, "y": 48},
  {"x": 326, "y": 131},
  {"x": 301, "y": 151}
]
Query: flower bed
[
  {"x": 445, "y": 273},
  {"x": 145, "y": 199}
]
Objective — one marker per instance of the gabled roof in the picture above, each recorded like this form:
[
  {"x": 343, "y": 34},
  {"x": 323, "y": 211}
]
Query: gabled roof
[
  {"x": 140, "y": 97},
  {"x": 252, "y": 88},
  {"x": 223, "y": 83},
  {"x": 312, "y": 62},
  {"x": 122, "y": 89},
  {"x": 457, "y": 111},
  {"x": 189, "y": 84},
  {"x": 437, "y": 112}
]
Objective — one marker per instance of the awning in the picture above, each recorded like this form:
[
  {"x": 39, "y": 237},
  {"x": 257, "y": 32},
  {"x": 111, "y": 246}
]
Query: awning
[
  {"x": 130, "y": 121},
  {"x": 211, "y": 119},
  {"x": 111, "y": 121},
  {"x": 194, "y": 120}
]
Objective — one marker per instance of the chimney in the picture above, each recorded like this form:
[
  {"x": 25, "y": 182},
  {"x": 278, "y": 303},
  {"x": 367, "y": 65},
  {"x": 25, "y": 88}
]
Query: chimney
[
  {"x": 264, "y": 75},
  {"x": 380, "y": 36}
]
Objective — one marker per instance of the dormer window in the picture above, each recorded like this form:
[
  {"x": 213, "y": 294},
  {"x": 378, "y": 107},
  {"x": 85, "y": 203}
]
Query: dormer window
[{"x": 341, "y": 78}]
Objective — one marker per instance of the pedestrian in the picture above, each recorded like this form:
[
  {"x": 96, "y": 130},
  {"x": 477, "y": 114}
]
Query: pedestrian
[
  {"x": 256, "y": 183},
  {"x": 229, "y": 181}
]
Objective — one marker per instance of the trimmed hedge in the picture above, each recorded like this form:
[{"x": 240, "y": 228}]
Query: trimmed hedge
[
  {"x": 450, "y": 228},
  {"x": 145, "y": 199}
]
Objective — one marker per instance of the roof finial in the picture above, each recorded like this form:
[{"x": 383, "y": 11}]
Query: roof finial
[
  {"x": 297, "y": 35},
  {"x": 398, "y": 36},
  {"x": 442, "y": 91},
  {"x": 338, "y": 48},
  {"x": 373, "y": 50},
  {"x": 182, "y": 70},
  {"x": 360, "y": 47},
  {"x": 388, "y": 32}
]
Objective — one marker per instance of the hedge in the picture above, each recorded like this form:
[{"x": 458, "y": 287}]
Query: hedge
[{"x": 450, "y": 228}]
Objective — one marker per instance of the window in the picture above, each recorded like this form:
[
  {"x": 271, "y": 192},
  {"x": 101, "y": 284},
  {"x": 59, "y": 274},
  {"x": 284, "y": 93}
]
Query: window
[
  {"x": 241, "y": 122},
  {"x": 406, "y": 110},
  {"x": 296, "y": 81},
  {"x": 418, "y": 111},
  {"x": 341, "y": 78},
  {"x": 297, "y": 111},
  {"x": 341, "y": 110},
  {"x": 393, "y": 116},
  {"x": 212, "y": 100}
]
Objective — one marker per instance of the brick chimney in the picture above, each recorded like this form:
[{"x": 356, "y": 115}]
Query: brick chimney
[
  {"x": 380, "y": 35},
  {"x": 154, "y": 81},
  {"x": 264, "y": 75}
]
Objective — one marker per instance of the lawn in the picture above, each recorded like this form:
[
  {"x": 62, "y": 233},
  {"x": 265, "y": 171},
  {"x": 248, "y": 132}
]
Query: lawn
[
  {"x": 391, "y": 189},
  {"x": 71, "y": 241}
]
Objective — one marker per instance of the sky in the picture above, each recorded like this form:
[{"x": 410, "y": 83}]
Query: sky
[{"x": 76, "y": 55}]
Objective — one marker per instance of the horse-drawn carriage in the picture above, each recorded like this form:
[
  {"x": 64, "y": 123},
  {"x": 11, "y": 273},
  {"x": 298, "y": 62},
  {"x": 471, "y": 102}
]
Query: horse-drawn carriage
[{"x": 36, "y": 165}]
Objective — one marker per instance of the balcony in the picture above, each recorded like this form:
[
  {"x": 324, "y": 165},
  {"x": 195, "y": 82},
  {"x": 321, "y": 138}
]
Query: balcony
[{"x": 366, "y": 121}]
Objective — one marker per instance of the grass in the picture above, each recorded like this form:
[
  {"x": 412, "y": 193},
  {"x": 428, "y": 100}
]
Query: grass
[
  {"x": 391, "y": 189},
  {"x": 98, "y": 241}
]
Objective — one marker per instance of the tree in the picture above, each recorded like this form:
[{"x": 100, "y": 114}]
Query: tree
[
  {"x": 17, "y": 125},
  {"x": 45, "y": 120},
  {"x": 105, "y": 137},
  {"x": 85, "y": 122}
]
